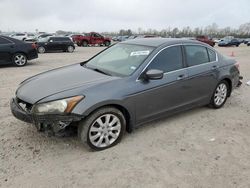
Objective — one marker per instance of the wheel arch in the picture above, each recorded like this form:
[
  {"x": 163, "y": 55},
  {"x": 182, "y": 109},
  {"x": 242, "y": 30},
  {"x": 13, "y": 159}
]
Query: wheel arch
[
  {"x": 229, "y": 81},
  {"x": 124, "y": 110}
]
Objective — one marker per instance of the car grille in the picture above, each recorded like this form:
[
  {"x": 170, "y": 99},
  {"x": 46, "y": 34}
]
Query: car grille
[{"x": 24, "y": 105}]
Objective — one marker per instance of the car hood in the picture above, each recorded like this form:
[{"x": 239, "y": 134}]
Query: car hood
[{"x": 59, "y": 80}]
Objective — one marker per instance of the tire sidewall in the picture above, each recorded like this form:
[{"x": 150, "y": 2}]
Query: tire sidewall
[
  {"x": 84, "y": 128},
  {"x": 41, "y": 47},
  {"x": 69, "y": 50},
  {"x": 13, "y": 59},
  {"x": 212, "y": 99},
  {"x": 107, "y": 43},
  {"x": 84, "y": 43}
]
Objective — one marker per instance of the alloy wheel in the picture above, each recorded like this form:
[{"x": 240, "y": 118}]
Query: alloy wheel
[
  {"x": 20, "y": 59},
  {"x": 70, "y": 49},
  {"x": 105, "y": 130},
  {"x": 220, "y": 94}
]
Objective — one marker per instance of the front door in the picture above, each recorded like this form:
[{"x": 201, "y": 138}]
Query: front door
[{"x": 166, "y": 94}]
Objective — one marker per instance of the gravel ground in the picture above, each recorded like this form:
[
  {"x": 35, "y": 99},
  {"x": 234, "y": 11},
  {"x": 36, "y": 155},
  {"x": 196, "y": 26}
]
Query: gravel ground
[{"x": 198, "y": 148}]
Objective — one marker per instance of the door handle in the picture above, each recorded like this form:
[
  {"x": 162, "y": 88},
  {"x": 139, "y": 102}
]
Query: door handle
[
  {"x": 214, "y": 67},
  {"x": 180, "y": 77}
]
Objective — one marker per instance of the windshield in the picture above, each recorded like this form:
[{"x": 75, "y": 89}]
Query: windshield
[{"x": 120, "y": 59}]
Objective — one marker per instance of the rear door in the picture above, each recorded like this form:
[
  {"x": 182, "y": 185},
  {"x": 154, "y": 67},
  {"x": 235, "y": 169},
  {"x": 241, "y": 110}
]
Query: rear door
[
  {"x": 203, "y": 72},
  {"x": 168, "y": 93},
  {"x": 6, "y": 48}
]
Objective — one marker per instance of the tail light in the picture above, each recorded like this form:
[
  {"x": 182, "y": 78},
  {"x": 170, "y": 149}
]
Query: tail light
[{"x": 33, "y": 45}]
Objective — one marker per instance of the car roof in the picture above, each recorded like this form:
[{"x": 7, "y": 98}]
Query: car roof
[
  {"x": 156, "y": 42},
  {"x": 11, "y": 39}
]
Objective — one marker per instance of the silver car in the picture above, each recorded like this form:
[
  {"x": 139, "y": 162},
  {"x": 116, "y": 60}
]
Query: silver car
[{"x": 124, "y": 86}]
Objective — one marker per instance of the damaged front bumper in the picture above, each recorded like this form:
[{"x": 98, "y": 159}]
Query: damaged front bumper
[
  {"x": 53, "y": 122},
  {"x": 240, "y": 81}
]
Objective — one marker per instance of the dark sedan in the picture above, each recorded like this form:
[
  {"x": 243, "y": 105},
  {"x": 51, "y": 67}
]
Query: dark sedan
[
  {"x": 51, "y": 44},
  {"x": 228, "y": 42},
  {"x": 124, "y": 86},
  {"x": 13, "y": 51}
]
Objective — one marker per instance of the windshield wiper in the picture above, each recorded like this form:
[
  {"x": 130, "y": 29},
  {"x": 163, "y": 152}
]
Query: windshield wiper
[
  {"x": 101, "y": 71},
  {"x": 96, "y": 69}
]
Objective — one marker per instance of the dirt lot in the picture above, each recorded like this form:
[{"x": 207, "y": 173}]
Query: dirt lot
[{"x": 199, "y": 148}]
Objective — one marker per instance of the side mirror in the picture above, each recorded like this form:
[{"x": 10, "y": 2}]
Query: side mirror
[
  {"x": 51, "y": 40},
  {"x": 154, "y": 74}
]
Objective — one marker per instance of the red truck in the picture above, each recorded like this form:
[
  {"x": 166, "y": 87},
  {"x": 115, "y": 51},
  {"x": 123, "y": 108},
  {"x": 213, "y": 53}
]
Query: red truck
[
  {"x": 206, "y": 39},
  {"x": 92, "y": 38}
]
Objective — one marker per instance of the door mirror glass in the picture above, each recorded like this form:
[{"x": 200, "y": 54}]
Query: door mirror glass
[{"x": 154, "y": 74}]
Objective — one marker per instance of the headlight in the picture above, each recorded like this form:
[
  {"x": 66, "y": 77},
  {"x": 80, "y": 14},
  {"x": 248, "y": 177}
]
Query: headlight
[{"x": 59, "y": 106}]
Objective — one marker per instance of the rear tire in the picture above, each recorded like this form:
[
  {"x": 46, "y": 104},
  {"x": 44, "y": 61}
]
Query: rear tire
[
  {"x": 84, "y": 43},
  {"x": 70, "y": 49},
  {"x": 19, "y": 59},
  {"x": 102, "y": 129},
  {"x": 41, "y": 50},
  {"x": 106, "y": 43},
  {"x": 220, "y": 95}
]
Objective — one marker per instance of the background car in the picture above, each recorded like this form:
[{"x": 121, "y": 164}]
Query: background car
[
  {"x": 93, "y": 38},
  {"x": 228, "y": 42},
  {"x": 21, "y": 36},
  {"x": 15, "y": 51},
  {"x": 44, "y": 35},
  {"x": 206, "y": 39},
  {"x": 76, "y": 37},
  {"x": 248, "y": 44},
  {"x": 122, "y": 38},
  {"x": 50, "y": 44}
]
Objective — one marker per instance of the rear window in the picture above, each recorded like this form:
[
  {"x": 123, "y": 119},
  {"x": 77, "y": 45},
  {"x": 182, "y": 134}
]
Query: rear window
[
  {"x": 196, "y": 55},
  {"x": 4, "y": 41},
  {"x": 20, "y": 34}
]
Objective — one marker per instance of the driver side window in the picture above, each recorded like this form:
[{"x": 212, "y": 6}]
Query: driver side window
[{"x": 169, "y": 59}]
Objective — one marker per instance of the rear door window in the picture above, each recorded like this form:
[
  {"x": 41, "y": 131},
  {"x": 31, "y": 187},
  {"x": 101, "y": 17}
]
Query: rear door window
[
  {"x": 167, "y": 60},
  {"x": 212, "y": 55},
  {"x": 4, "y": 41},
  {"x": 196, "y": 55}
]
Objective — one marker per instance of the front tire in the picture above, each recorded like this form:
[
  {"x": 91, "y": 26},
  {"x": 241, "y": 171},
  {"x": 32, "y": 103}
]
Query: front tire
[
  {"x": 220, "y": 95},
  {"x": 102, "y": 129},
  {"x": 19, "y": 59}
]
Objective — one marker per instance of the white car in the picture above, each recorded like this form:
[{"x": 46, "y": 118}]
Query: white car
[{"x": 23, "y": 36}]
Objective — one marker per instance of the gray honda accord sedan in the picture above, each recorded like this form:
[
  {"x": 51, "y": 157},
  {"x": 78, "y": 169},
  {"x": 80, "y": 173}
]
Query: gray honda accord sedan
[{"x": 124, "y": 86}]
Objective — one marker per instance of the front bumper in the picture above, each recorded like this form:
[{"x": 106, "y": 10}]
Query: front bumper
[{"x": 55, "y": 121}]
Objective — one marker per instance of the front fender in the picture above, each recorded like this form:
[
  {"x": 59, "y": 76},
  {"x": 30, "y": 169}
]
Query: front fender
[{"x": 85, "y": 107}]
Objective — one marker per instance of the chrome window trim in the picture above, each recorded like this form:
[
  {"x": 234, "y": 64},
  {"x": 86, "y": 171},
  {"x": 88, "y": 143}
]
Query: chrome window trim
[{"x": 179, "y": 44}]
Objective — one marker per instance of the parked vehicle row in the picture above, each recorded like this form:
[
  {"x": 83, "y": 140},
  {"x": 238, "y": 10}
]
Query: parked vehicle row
[
  {"x": 126, "y": 37},
  {"x": 229, "y": 42},
  {"x": 150, "y": 78}
]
